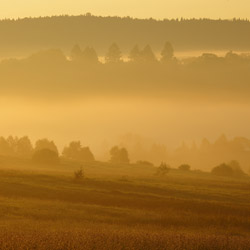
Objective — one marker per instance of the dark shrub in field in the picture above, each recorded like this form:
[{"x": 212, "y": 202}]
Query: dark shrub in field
[
  {"x": 184, "y": 167},
  {"x": 163, "y": 169},
  {"x": 79, "y": 175}
]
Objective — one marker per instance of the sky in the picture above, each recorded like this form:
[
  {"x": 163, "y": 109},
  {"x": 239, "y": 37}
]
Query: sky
[{"x": 158, "y": 9}]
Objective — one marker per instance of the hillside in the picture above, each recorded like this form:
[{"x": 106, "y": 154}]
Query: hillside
[{"x": 22, "y": 36}]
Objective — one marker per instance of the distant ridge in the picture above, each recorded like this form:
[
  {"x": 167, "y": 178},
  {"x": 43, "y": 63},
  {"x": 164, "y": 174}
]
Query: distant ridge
[
  {"x": 22, "y": 36},
  {"x": 127, "y": 17}
]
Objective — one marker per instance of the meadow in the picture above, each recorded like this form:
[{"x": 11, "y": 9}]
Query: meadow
[{"x": 120, "y": 207}]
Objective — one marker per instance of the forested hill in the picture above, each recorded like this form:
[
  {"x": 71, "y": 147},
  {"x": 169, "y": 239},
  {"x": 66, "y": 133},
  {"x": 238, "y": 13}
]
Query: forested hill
[{"x": 22, "y": 36}]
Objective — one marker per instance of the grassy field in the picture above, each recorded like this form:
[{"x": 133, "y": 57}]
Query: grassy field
[{"x": 120, "y": 207}]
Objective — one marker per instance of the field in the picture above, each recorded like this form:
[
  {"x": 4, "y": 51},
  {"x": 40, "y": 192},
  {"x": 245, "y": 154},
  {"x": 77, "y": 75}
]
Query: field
[{"x": 120, "y": 207}]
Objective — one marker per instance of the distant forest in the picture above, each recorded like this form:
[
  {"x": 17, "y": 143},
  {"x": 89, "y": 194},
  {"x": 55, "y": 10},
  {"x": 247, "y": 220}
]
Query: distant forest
[
  {"x": 204, "y": 155},
  {"x": 52, "y": 73},
  {"x": 22, "y": 36}
]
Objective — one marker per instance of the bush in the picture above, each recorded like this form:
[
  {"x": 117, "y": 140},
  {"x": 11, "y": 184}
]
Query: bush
[
  {"x": 45, "y": 156},
  {"x": 232, "y": 169},
  {"x": 163, "y": 169},
  {"x": 79, "y": 175},
  {"x": 222, "y": 170},
  {"x": 184, "y": 167}
]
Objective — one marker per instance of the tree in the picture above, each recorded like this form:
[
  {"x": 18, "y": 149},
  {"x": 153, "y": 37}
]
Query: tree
[
  {"x": 232, "y": 169},
  {"x": 76, "y": 53},
  {"x": 235, "y": 165},
  {"x": 222, "y": 170},
  {"x": 4, "y": 147},
  {"x": 75, "y": 151},
  {"x": 45, "y": 156},
  {"x": 72, "y": 151},
  {"x": 86, "y": 155},
  {"x": 119, "y": 155},
  {"x": 167, "y": 53},
  {"x": 114, "y": 54},
  {"x": 89, "y": 55},
  {"x": 135, "y": 54},
  {"x": 46, "y": 144},
  {"x": 148, "y": 55},
  {"x": 12, "y": 142},
  {"x": 24, "y": 147}
]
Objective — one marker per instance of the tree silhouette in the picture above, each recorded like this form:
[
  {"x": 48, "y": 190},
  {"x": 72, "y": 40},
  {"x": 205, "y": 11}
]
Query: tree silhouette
[
  {"x": 148, "y": 55},
  {"x": 4, "y": 147},
  {"x": 24, "y": 147},
  {"x": 12, "y": 142},
  {"x": 184, "y": 167},
  {"x": 135, "y": 54},
  {"x": 89, "y": 55},
  {"x": 114, "y": 54},
  {"x": 45, "y": 156},
  {"x": 46, "y": 144},
  {"x": 119, "y": 155},
  {"x": 75, "y": 151},
  {"x": 167, "y": 53},
  {"x": 76, "y": 53}
]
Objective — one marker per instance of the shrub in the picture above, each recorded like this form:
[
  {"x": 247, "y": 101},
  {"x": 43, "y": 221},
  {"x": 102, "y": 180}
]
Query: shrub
[
  {"x": 79, "y": 175},
  {"x": 184, "y": 167},
  {"x": 163, "y": 169},
  {"x": 232, "y": 169}
]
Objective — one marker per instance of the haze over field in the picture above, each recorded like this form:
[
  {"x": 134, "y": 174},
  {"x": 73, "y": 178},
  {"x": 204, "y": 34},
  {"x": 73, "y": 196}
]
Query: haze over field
[
  {"x": 124, "y": 125},
  {"x": 168, "y": 99}
]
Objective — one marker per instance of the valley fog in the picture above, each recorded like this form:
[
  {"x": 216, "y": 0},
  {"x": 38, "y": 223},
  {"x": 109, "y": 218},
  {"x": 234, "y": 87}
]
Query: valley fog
[{"x": 102, "y": 122}]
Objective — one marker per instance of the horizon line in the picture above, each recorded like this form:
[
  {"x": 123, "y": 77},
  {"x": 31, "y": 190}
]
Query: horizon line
[{"x": 88, "y": 14}]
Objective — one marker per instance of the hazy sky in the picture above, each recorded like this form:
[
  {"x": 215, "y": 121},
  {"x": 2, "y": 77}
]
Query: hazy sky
[{"x": 136, "y": 8}]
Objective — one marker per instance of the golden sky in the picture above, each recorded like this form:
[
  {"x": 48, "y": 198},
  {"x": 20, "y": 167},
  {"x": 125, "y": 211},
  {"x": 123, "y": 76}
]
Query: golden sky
[{"x": 135, "y": 8}]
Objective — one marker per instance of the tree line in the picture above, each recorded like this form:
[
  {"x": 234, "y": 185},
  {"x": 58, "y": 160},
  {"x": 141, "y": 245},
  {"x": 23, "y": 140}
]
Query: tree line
[
  {"x": 83, "y": 73},
  {"x": 114, "y": 54},
  {"x": 21, "y": 36},
  {"x": 46, "y": 151},
  {"x": 205, "y": 155}
]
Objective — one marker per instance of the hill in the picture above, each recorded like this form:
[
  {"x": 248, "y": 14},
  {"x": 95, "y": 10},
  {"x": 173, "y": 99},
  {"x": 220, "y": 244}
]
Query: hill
[{"x": 22, "y": 36}]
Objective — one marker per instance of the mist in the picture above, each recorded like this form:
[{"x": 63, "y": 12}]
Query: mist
[
  {"x": 124, "y": 133},
  {"x": 105, "y": 119}
]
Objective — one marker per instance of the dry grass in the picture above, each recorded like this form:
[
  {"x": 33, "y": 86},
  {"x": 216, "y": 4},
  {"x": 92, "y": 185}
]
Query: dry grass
[
  {"x": 112, "y": 237},
  {"x": 42, "y": 210}
]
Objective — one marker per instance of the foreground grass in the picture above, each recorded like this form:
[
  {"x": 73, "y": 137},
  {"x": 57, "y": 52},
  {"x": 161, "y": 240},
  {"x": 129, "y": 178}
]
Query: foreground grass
[
  {"x": 48, "y": 210},
  {"x": 113, "y": 237}
]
